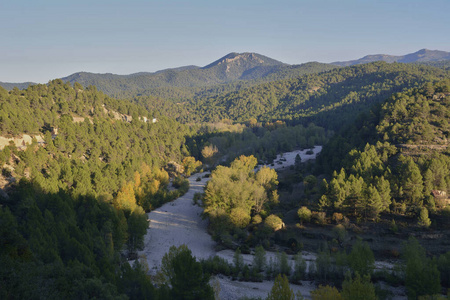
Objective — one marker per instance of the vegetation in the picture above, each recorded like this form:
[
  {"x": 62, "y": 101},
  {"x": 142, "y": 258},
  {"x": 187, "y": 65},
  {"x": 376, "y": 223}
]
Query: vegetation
[
  {"x": 330, "y": 99},
  {"x": 401, "y": 163},
  {"x": 80, "y": 195},
  {"x": 76, "y": 196},
  {"x": 236, "y": 193}
]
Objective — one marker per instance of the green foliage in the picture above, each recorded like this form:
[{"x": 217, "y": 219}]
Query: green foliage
[
  {"x": 234, "y": 192},
  {"x": 259, "y": 259},
  {"x": 330, "y": 99},
  {"x": 422, "y": 276},
  {"x": 87, "y": 185},
  {"x": 65, "y": 248},
  {"x": 361, "y": 259},
  {"x": 238, "y": 261},
  {"x": 186, "y": 276},
  {"x": 273, "y": 222},
  {"x": 283, "y": 263},
  {"x": 281, "y": 289},
  {"x": 304, "y": 214},
  {"x": 326, "y": 293},
  {"x": 358, "y": 288},
  {"x": 424, "y": 220},
  {"x": 299, "y": 268},
  {"x": 182, "y": 83},
  {"x": 386, "y": 155}
]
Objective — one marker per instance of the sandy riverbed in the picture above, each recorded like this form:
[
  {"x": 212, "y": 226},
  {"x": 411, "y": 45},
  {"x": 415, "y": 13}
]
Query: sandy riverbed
[{"x": 179, "y": 222}]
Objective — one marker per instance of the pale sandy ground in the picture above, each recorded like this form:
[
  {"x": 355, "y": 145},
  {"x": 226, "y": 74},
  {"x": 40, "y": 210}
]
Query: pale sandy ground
[
  {"x": 179, "y": 222},
  {"x": 176, "y": 223}
]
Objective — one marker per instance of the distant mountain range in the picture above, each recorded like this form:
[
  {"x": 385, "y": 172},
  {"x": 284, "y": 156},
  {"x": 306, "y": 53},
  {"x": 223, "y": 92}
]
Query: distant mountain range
[
  {"x": 19, "y": 85},
  {"x": 230, "y": 68},
  {"x": 423, "y": 55},
  {"x": 234, "y": 67}
]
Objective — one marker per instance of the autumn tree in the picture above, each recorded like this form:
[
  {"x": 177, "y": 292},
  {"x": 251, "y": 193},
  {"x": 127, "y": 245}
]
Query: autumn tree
[{"x": 281, "y": 289}]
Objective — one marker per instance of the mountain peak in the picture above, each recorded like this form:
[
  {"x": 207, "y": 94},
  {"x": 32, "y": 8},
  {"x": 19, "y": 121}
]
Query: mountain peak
[{"x": 245, "y": 58}]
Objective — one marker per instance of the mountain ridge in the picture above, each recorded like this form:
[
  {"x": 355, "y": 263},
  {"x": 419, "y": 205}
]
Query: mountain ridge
[{"x": 423, "y": 55}]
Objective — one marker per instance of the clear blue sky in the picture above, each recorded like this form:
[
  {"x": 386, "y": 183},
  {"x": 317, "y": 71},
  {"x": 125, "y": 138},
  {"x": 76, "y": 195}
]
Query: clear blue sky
[{"x": 47, "y": 39}]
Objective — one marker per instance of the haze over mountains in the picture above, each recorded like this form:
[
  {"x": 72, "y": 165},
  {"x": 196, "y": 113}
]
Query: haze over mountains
[{"x": 230, "y": 68}]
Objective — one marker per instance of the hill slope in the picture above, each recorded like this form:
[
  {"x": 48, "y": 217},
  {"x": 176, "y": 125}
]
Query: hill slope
[
  {"x": 330, "y": 99},
  {"x": 184, "y": 82},
  {"x": 423, "y": 55}
]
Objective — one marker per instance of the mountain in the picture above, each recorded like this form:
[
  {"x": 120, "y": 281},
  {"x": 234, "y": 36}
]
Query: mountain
[
  {"x": 183, "y": 82},
  {"x": 329, "y": 99},
  {"x": 423, "y": 55},
  {"x": 231, "y": 67},
  {"x": 20, "y": 85}
]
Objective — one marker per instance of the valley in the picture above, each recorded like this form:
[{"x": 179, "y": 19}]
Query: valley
[{"x": 209, "y": 181}]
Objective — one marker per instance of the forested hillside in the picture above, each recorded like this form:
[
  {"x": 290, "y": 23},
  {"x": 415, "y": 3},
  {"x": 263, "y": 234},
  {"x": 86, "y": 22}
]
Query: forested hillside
[
  {"x": 330, "y": 99},
  {"x": 396, "y": 159},
  {"x": 77, "y": 200},
  {"x": 179, "y": 83}
]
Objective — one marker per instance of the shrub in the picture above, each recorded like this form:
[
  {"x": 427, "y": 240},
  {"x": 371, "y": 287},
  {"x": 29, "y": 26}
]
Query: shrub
[
  {"x": 326, "y": 293},
  {"x": 197, "y": 197},
  {"x": 337, "y": 217},
  {"x": 274, "y": 222},
  {"x": 304, "y": 214},
  {"x": 256, "y": 219},
  {"x": 340, "y": 232},
  {"x": 281, "y": 289},
  {"x": 320, "y": 217}
]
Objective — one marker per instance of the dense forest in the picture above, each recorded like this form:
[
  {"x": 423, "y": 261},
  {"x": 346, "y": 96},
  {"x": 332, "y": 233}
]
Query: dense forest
[
  {"x": 77, "y": 199},
  {"x": 395, "y": 158},
  {"x": 329, "y": 99},
  {"x": 242, "y": 69}
]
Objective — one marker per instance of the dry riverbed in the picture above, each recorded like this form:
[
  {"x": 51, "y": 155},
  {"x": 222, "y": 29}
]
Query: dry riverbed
[{"x": 179, "y": 222}]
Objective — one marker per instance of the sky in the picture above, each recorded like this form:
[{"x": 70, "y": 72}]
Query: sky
[{"x": 46, "y": 39}]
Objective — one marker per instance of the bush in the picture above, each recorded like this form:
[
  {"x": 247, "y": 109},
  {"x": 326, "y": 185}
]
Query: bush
[
  {"x": 217, "y": 265},
  {"x": 256, "y": 219},
  {"x": 274, "y": 222},
  {"x": 340, "y": 232},
  {"x": 197, "y": 197},
  {"x": 304, "y": 214},
  {"x": 319, "y": 217},
  {"x": 326, "y": 293},
  {"x": 337, "y": 217}
]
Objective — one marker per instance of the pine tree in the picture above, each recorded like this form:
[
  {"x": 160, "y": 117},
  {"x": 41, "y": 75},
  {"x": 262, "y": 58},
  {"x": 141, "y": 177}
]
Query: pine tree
[{"x": 424, "y": 220}]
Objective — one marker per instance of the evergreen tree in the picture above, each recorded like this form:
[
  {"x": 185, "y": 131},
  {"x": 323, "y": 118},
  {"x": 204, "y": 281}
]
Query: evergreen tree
[{"x": 358, "y": 288}]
